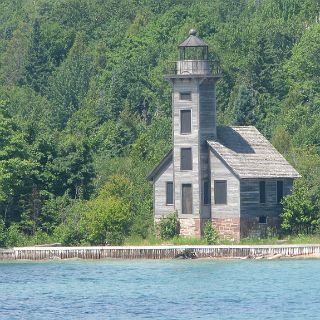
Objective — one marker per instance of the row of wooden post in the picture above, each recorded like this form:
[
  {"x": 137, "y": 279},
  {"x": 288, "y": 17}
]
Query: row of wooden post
[{"x": 152, "y": 252}]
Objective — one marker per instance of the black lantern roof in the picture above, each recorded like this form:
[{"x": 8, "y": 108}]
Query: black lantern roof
[{"x": 192, "y": 41}]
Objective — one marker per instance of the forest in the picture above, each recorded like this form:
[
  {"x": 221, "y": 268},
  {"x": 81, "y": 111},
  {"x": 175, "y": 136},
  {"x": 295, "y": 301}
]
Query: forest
[{"x": 85, "y": 113}]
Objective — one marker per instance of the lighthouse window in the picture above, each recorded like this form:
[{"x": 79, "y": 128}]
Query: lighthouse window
[
  {"x": 279, "y": 191},
  {"x": 206, "y": 192},
  {"x": 186, "y": 159},
  {"x": 169, "y": 192},
  {"x": 185, "y": 96},
  {"x": 262, "y": 191},
  {"x": 187, "y": 198},
  {"x": 220, "y": 192},
  {"x": 185, "y": 121}
]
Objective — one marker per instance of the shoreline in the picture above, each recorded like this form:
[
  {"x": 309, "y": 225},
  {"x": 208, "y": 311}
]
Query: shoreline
[{"x": 253, "y": 252}]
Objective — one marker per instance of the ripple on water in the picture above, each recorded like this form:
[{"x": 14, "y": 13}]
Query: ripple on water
[{"x": 208, "y": 289}]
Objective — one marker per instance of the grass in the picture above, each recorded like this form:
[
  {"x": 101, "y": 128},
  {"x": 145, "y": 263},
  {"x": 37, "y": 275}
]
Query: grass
[{"x": 153, "y": 240}]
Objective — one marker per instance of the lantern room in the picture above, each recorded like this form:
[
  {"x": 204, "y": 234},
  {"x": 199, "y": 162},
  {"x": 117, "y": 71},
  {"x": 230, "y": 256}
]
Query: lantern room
[{"x": 193, "y": 56}]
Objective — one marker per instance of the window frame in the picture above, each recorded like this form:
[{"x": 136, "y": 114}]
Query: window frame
[
  {"x": 188, "y": 93},
  {"x": 277, "y": 190},
  {"x": 208, "y": 190},
  {"x": 189, "y": 132},
  {"x": 168, "y": 203},
  {"x": 191, "y": 160},
  {"x": 262, "y": 195},
  {"x": 264, "y": 218},
  {"x": 191, "y": 187},
  {"x": 225, "y": 182}
]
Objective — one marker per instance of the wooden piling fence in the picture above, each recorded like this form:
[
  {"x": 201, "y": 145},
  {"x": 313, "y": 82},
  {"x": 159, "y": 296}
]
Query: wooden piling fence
[{"x": 158, "y": 252}]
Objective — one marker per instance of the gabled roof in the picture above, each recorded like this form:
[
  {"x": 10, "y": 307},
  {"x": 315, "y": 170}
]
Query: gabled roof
[
  {"x": 249, "y": 154},
  {"x": 193, "y": 41},
  {"x": 166, "y": 160}
]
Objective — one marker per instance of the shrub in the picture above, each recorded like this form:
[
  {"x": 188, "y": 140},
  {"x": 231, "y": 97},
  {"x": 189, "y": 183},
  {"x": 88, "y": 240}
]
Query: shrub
[
  {"x": 169, "y": 226},
  {"x": 106, "y": 220},
  {"x": 15, "y": 237},
  {"x": 70, "y": 231},
  {"x": 300, "y": 214},
  {"x": 210, "y": 233}
]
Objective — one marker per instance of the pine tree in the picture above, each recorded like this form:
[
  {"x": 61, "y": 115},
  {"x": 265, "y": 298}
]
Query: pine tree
[
  {"x": 37, "y": 70},
  {"x": 244, "y": 107}
]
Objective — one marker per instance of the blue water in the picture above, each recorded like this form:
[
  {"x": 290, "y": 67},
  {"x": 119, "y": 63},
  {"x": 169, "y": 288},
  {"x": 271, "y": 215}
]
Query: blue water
[{"x": 206, "y": 289}]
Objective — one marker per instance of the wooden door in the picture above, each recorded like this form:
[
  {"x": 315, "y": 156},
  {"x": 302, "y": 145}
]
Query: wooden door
[{"x": 187, "y": 198}]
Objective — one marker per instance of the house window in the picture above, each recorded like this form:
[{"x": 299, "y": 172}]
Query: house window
[
  {"x": 279, "y": 191},
  {"x": 187, "y": 198},
  {"x": 220, "y": 192},
  {"x": 169, "y": 192},
  {"x": 206, "y": 192},
  {"x": 262, "y": 191},
  {"x": 262, "y": 219},
  {"x": 186, "y": 159},
  {"x": 185, "y": 96},
  {"x": 185, "y": 121}
]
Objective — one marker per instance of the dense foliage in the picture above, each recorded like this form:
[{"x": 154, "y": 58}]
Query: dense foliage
[
  {"x": 169, "y": 226},
  {"x": 210, "y": 234},
  {"x": 85, "y": 112}
]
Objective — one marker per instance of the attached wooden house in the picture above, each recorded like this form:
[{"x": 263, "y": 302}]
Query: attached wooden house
[{"x": 231, "y": 176}]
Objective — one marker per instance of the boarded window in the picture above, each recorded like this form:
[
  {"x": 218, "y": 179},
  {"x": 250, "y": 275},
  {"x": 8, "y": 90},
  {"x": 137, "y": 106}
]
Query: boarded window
[
  {"x": 185, "y": 96},
  {"x": 262, "y": 219},
  {"x": 187, "y": 198},
  {"x": 169, "y": 192},
  {"x": 220, "y": 192},
  {"x": 185, "y": 121},
  {"x": 206, "y": 192},
  {"x": 279, "y": 191},
  {"x": 186, "y": 159},
  {"x": 262, "y": 190}
]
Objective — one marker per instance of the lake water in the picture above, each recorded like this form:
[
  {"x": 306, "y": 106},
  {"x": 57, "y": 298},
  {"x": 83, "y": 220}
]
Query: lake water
[{"x": 197, "y": 289}]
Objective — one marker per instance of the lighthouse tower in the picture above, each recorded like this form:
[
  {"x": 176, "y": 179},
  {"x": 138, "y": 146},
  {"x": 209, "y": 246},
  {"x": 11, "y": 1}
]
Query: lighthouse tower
[
  {"x": 194, "y": 122},
  {"x": 231, "y": 176}
]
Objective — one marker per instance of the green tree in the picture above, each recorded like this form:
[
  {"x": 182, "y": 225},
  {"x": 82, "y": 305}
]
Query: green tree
[
  {"x": 300, "y": 215},
  {"x": 13, "y": 61},
  {"x": 17, "y": 170},
  {"x": 70, "y": 82},
  {"x": 72, "y": 169},
  {"x": 245, "y": 107},
  {"x": 37, "y": 69},
  {"x": 106, "y": 220}
]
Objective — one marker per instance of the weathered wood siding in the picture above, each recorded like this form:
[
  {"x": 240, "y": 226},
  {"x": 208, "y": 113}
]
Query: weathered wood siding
[
  {"x": 159, "y": 202},
  {"x": 250, "y": 197},
  {"x": 186, "y": 141},
  {"x": 203, "y": 127},
  {"x": 219, "y": 171},
  {"x": 207, "y": 130}
]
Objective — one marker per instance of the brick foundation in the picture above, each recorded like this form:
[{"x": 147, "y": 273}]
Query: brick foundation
[
  {"x": 190, "y": 227},
  {"x": 228, "y": 228},
  {"x": 250, "y": 227}
]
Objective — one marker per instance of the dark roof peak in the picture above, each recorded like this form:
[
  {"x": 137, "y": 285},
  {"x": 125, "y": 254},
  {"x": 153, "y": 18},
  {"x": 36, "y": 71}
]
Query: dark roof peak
[{"x": 193, "y": 40}]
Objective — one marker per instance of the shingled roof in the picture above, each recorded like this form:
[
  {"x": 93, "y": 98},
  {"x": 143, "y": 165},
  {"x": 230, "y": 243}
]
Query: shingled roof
[
  {"x": 165, "y": 161},
  {"x": 249, "y": 154},
  {"x": 193, "y": 41}
]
